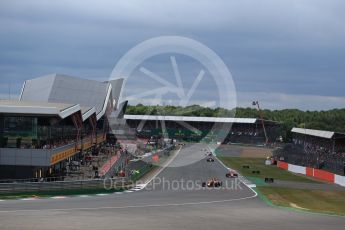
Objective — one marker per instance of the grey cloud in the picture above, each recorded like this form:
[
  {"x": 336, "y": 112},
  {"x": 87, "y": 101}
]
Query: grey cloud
[{"x": 288, "y": 47}]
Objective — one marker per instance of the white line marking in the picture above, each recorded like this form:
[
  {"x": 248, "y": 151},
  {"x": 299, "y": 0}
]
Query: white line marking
[
  {"x": 102, "y": 194},
  {"x": 250, "y": 186},
  {"x": 130, "y": 206},
  {"x": 139, "y": 187},
  {"x": 28, "y": 199},
  {"x": 161, "y": 169},
  {"x": 142, "y": 186},
  {"x": 118, "y": 193},
  {"x": 58, "y": 197}
]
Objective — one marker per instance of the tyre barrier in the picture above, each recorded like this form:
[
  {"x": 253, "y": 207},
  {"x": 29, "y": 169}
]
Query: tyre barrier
[
  {"x": 256, "y": 172},
  {"x": 245, "y": 166}
]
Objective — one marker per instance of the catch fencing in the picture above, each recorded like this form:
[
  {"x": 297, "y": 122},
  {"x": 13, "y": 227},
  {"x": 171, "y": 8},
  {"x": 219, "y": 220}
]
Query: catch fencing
[{"x": 18, "y": 188}]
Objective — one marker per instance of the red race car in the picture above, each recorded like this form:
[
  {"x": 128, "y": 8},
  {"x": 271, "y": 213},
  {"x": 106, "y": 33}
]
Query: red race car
[
  {"x": 212, "y": 183},
  {"x": 231, "y": 174}
]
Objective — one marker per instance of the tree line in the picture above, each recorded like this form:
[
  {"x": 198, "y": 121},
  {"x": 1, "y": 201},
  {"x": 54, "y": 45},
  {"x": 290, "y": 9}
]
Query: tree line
[{"x": 330, "y": 120}]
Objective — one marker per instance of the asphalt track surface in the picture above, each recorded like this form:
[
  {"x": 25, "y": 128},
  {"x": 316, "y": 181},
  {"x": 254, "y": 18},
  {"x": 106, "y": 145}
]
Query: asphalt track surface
[{"x": 165, "y": 206}]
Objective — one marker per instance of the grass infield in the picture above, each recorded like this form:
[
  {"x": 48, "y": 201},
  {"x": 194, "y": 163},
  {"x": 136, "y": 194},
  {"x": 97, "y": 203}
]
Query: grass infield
[
  {"x": 258, "y": 164},
  {"x": 328, "y": 202},
  {"x": 320, "y": 201}
]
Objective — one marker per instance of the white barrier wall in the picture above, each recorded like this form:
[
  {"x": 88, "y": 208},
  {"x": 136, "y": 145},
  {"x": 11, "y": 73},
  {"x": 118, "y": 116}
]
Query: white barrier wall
[
  {"x": 297, "y": 169},
  {"x": 340, "y": 180},
  {"x": 337, "y": 179}
]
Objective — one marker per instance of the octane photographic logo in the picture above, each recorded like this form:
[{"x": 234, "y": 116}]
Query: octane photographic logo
[
  {"x": 164, "y": 184},
  {"x": 132, "y": 68}
]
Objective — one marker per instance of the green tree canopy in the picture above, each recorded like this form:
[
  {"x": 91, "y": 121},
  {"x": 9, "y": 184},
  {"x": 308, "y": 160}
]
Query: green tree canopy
[{"x": 331, "y": 120}]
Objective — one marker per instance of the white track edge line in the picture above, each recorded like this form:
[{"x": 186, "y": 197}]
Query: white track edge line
[{"x": 248, "y": 186}]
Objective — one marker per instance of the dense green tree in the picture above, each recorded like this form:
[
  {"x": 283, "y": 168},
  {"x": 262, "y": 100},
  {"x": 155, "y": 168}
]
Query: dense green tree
[{"x": 331, "y": 120}]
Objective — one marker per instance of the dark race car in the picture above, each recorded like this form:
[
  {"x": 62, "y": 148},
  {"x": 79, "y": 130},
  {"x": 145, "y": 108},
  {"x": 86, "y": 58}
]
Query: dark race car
[
  {"x": 210, "y": 159},
  {"x": 212, "y": 183},
  {"x": 231, "y": 174},
  {"x": 208, "y": 154}
]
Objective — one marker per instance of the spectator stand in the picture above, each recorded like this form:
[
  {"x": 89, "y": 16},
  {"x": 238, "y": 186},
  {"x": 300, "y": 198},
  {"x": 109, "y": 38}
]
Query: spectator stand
[{"x": 317, "y": 149}]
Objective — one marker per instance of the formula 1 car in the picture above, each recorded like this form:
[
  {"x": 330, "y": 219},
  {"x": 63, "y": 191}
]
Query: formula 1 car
[
  {"x": 231, "y": 174},
  {"x": 210, "y": 159},
  {"x": 212, "y": 183}
]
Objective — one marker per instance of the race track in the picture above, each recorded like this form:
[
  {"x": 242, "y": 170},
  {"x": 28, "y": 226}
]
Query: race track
[{"x": 173, "y": 200}]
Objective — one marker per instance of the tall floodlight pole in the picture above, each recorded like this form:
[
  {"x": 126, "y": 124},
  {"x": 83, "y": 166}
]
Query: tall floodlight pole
[{"x": 256, "y": 103}]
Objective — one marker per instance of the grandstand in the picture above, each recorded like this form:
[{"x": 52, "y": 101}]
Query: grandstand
[
  {"x": 316, "y": 149},
  {"x": 56, "y": 119},
  {"x": 227, "y": 130}
]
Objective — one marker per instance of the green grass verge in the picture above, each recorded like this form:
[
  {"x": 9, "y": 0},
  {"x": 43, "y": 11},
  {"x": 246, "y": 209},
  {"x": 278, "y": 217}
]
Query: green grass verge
[
  {"x": 328, "y": 202},
  {"x": 319, "y": 201},
  {"x": 143, "y": 172},
  {"x": 265, "y": 171}
]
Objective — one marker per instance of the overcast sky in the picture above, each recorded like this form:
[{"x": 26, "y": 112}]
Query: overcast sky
[{"x": 284, "y": 53}]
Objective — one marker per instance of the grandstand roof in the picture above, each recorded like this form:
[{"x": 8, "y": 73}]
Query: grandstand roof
[
  {"x": 87, "y": 112},
  {"x": 192, "y": 119},
  {"x": 92, "y": 96},
  {"x": 313, "y": 132},
  {"x": 117, "y": 87},
  {"x": 119, "y": 113},
  {"x": 38, "y": 108}
]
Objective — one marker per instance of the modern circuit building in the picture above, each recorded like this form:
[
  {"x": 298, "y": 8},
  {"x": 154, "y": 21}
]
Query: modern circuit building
[{"x": 56, "y": 118}]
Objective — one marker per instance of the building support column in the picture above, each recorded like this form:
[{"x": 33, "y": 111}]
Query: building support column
[
  {"x": 78, "y": 123},
  {"x": 93, "y": 124}
]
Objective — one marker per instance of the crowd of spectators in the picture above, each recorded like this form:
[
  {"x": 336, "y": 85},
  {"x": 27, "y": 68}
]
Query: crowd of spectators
[
  {"x": 38, "y": 144},
  {"x": 250, "y": 135},
  {"x": 315, "y": 152},
  {"x": 55, "y": 143},
  {"x": 48, "y": 143}
]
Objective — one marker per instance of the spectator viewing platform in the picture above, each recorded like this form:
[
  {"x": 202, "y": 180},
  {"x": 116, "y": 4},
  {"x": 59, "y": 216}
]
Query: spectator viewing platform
[
  {"x": 317, "y": 149},
  {"x": 226, "y": 129},
  {"x": 55, "y": 120}
]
